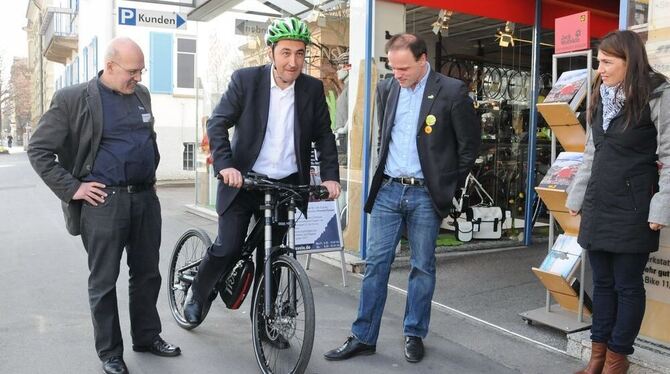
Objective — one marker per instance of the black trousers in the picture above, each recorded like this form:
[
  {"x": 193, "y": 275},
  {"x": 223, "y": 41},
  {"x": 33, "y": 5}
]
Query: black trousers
[
  {"x": 130, "y": 221},
  {"x": 618, "y": 298},
  {"x": 232, "y": 231}
]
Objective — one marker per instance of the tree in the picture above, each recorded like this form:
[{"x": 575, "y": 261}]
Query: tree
[
  {"x": 15, "y": 97},
  {"x": 19, "y": 87},
  {"x": 5, "y": 99},
  {"x": 222, "y": 60}
]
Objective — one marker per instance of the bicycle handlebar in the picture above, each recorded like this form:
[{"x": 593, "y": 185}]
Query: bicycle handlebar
[{"x": 261, "y": 182}]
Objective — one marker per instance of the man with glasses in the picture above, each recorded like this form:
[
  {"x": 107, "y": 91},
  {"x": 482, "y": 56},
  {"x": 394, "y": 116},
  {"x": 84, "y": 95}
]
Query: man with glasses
[{"x": 96, "y": 149}]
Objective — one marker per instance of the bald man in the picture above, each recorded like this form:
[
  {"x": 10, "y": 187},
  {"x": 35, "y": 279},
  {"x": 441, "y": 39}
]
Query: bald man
[{"x": 95, "y": 148}]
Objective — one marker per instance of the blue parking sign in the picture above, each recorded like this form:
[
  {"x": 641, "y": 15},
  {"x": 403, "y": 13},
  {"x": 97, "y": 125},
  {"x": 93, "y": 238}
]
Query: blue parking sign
[{"x": 127, "y": 16}]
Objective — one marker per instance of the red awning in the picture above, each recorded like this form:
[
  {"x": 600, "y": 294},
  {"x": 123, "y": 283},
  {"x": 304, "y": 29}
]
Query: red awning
[{"x": 604, "y": 13}]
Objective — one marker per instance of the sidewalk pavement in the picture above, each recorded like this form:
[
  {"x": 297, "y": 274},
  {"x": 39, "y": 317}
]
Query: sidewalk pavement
[{"x": 46, "y": 327}]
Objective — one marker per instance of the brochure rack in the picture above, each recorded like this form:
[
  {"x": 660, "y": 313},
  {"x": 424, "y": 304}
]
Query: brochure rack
[{"x": 569, "y": 314}]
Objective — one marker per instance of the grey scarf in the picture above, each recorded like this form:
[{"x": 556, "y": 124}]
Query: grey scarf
[{"x": 613, "y": 99}]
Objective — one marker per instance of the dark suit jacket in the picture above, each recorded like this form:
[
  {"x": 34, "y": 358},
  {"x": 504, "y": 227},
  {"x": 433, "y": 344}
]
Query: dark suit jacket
[
  {"x": 245, "y": 105},
  {"x": 446, "y": 154},
  {"x": 71, "y": 130}
]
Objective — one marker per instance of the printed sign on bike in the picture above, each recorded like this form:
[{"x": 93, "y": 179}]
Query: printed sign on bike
[{"x": 321, "y": 230}]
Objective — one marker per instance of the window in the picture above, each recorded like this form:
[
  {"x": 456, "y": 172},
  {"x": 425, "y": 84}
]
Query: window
[
  {"x": 91, "y": 59},
  {"x": 84, "y": 64},
  {"x": 75, "y": 71},
  {"x": 189, "y": 156},
  {"x": 68, "y": 75},
  {"x": 186, "y": 63},
  {"x": 160, "y": 63}
]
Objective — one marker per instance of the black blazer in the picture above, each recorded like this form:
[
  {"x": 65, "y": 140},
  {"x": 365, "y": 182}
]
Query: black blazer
[
  {"x": 64, "y": 145},
  {"x": 245, "y": 105},
  {"x": 446, "y": 154}
]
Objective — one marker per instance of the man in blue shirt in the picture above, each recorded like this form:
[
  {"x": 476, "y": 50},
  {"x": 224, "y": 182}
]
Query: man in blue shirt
[
  {"x": 96, "y": 149},
  {"x": 429, "y": 138}
]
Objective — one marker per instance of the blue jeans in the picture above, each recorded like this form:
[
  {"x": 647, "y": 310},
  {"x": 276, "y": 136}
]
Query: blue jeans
[
  {"x": 618, "y": 298},
  {"x": 398, "y": 207}
]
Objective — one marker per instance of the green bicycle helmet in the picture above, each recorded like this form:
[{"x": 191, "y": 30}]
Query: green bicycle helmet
[{"x": 287, "y": 28}]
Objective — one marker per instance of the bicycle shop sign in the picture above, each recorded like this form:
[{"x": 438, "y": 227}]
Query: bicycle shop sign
[{"x": 572, "y": 33}]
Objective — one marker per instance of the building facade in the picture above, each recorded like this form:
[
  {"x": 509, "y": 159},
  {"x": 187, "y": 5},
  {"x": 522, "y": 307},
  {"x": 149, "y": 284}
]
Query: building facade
[{"x": 74, "y": 34}]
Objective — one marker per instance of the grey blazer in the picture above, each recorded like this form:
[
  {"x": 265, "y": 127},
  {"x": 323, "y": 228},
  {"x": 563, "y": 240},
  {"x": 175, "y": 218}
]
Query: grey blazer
[
  {"x": 659, "y": 208},
  {"x": 64, "y": 145}
]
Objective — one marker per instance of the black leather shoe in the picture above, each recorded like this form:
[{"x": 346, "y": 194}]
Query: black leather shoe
[
  {"x": 114, "y": 365},
  {"x": 352, "y": 347},
  {"x": 194, "y": 311},
  {"x": 413, "y": 348},
  {"x": 159, "y": 347}
]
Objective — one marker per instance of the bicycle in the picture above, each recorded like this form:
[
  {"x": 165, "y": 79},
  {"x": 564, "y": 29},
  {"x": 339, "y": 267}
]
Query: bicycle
[{"x": 290, "y": 314}]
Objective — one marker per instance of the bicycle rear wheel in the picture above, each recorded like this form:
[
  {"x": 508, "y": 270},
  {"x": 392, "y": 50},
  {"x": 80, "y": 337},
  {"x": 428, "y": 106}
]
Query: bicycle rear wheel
[
  {"x": 184, "y": 262},
  {"x": 291, "y": 320}
]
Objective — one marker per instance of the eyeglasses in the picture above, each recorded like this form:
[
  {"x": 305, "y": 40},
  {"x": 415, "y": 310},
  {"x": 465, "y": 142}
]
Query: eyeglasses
[{"x": 131, "y": 72}]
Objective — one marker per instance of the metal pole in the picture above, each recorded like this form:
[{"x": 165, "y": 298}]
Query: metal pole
[
  {"x": 589, "y": 62},
  {"x": 532, "y": 126},
  {"x": 623, "y": 14},
  {"x": 369, "y": 8}
]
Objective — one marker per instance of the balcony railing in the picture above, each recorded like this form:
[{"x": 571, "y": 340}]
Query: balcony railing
[{"x": 60, "y": 36}]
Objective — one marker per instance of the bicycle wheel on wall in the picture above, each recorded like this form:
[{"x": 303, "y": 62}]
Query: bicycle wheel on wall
[
  {"x": 492, "y": 82},
  {"x": 515, "y": 85},
  {"x": 283, "y": 340},
  {"x": 188, "y": 251}
]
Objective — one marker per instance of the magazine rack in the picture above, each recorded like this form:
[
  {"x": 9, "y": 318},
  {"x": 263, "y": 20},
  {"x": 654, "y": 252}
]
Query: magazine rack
[{"x": 569, "y": 315}]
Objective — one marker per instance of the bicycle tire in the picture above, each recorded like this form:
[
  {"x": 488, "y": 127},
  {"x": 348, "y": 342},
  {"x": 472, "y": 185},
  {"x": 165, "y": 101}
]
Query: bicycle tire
[
  {"x": 515, "y": 85},
  {"x": 190, "y": 248},
  {"x": 267, "y": 356},
  {"x": 492, "y": 82}
]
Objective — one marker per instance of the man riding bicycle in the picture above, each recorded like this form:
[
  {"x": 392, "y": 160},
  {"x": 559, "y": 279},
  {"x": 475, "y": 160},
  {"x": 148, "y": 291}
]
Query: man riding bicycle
[{"x": 277, "y": 112}]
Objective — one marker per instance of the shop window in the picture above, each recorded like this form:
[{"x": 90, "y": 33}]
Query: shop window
[{"x": 188, "y": 156}]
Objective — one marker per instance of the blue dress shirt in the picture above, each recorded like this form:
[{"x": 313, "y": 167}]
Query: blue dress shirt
[{"x": 403, "y": 157}]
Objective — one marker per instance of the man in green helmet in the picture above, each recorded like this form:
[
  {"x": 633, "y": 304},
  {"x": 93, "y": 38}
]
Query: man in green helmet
[{"x": 277, "y": 112}]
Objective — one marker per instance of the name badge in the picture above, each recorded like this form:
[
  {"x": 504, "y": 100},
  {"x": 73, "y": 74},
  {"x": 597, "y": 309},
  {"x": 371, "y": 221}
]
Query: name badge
[{"x": 146, "y": 117}]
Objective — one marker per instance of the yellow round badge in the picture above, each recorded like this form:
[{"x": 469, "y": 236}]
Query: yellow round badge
[
  {"x": 430, "y": 120},
  {"x": 428, "y": 129}
]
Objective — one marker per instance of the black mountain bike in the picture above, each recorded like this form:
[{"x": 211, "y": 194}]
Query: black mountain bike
[{"x": 282, "y": 304}]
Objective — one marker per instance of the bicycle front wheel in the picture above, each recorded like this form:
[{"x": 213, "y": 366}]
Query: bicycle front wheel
[{"x": 283, "y": 340}]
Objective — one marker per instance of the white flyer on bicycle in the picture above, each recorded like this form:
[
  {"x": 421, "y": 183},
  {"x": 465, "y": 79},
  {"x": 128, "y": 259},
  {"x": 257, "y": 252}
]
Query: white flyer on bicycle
[{"x": 322, "y": 230}]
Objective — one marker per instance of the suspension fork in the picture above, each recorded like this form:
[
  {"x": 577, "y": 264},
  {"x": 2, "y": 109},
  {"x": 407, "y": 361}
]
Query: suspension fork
[
  {"x": 267, "y": 260},
  {"x": 291, "y": 245}
]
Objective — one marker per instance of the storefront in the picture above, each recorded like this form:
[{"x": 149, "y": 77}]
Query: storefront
[
  {"x": 488, "y": 44},
  {"x": 651, "y": 19}
]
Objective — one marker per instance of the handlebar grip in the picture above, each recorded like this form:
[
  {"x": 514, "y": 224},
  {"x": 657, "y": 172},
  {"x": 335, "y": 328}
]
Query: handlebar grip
[{"x": 321, "y": 192}]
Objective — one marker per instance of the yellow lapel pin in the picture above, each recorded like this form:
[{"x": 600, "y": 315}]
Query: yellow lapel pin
[{"x": 430, "y": 120}]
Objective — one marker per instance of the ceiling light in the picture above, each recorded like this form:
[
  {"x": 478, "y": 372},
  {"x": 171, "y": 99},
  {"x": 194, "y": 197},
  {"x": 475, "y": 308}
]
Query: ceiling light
[{"x": 442, "y": 22}]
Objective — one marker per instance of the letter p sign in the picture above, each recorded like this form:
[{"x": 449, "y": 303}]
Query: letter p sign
[{"x": 127, "y": 16}]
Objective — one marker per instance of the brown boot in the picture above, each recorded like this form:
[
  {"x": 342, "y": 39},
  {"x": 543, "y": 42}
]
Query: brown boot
[
  {"x": 597, "y": 360},
  {"x": 615, "y": 363}
]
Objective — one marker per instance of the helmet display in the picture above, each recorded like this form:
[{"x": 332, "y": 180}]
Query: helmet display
[{"x": 288, "y": 28}]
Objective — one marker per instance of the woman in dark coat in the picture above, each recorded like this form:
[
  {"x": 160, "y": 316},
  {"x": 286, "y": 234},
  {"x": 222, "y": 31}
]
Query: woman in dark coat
[{"x": 623, "y": 199}]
